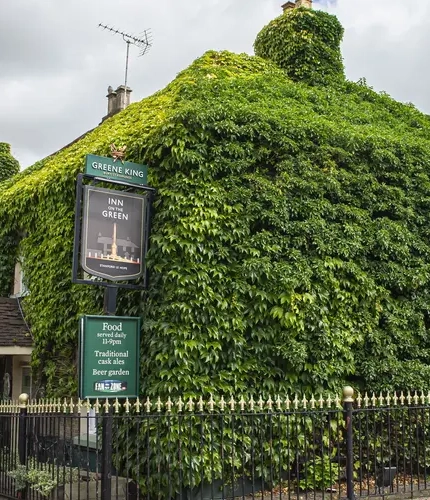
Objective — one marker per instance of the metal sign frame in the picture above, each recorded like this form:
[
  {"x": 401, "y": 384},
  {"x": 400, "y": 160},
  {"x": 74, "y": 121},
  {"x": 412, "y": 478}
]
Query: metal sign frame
[{"x": 76, "y": 268}]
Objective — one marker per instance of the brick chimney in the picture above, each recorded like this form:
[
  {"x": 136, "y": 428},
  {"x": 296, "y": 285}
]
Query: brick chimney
[{"x": 118, "y": 100}]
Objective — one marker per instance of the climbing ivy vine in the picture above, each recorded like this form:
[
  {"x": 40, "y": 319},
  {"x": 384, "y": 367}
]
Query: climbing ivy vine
[
  {"x": 289, "y": 247},
  {"x": 306, "y": 44}
]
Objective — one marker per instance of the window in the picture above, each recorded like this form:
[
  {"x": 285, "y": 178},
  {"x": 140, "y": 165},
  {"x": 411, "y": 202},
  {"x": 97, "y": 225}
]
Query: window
[
  {"x": 19, "y": 287},
  {"x": 26, "y": 380}
]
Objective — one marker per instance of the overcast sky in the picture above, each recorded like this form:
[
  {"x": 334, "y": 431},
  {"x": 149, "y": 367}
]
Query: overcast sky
[{"x": 56, "y": 64}]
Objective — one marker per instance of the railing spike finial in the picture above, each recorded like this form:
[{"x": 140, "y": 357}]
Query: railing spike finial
[
  {"x": 211, "y": 403},
  {"x": 402, "y": 398},
  {"x": 106, "y": 406},
  {"x": 287, "y": 402},
  {"x": 366, "y": 400},
  {"x": 201, "y": 404},
  {"x": 127, "y": 405},
  {"x": 422, "y": 398},
  {"x": 97, "y": 406},
  {"x": 116, "y": 405},
  {"x": 358, "y": 400},
  {"x": 409, "y": 398},
  {"x": 252, "y": 403},
  {"x": 232, "y": 403},
  {"x": 373, "y": 399},
  {"x": 312, "y": 402},
  {"x": 138, "y": 405},
  {"x": 381, "y": 399},
  {"x": 260, "y": 403},
  {"x": 395, "y": 398},
  {"x": 278, "y": 402},
  {"x": 296, "y": 402},
  {"x": 180, "y": 404},
  {"x": 190, "y": 404},
  {"x": 147, "y": 404},
  {"x": 321, "y": 402},
  {"x": 169, "y": 405},
  {"x": 159, "y": 404},
  {"x": 388, "y": 398},
  {"x": 222, "y": 403},
  {"x": 242, "y": 404},
  {"x": 415, "y": 397},
  {"x": 304, "y": 402}
]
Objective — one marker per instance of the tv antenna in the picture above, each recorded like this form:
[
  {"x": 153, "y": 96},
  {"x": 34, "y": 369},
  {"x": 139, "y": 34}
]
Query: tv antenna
[{"x": 143, "y": 42}]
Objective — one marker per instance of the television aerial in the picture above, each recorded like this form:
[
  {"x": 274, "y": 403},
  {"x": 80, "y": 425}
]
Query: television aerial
[{"x": 143, "y": 42}]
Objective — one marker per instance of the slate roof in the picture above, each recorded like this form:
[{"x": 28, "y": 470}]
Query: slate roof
[{"x": 13, "y": 329}]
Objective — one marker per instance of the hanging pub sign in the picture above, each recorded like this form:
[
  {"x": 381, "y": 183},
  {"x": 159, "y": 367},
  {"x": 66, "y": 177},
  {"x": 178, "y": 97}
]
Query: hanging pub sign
[{"x": 113, "y": 233}]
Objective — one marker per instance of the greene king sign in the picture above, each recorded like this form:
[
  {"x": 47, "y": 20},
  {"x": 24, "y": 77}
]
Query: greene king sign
[
  {"x": 113, "y": 238},
  {"x": 108, "y": 168}
]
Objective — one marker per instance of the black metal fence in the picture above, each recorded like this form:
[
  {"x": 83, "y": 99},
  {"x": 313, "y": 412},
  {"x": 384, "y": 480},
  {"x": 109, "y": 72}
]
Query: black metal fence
[{"x": 217, "y": 449}]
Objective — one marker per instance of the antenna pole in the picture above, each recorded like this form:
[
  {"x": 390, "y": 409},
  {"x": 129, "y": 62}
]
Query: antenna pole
[
  {"x": 126, "y": 70},
  {"x": 143, "y": 42}
]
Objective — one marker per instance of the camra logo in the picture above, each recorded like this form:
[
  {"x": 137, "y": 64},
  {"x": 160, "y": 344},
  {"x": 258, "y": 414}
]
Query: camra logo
[
  {"x": 110, "y": 386},
  {"x": 113, "y": 233}
]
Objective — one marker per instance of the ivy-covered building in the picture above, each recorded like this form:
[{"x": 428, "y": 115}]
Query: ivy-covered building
[
  {"x": 15, "y": 337},
  {"x": 290, "y": 246}
]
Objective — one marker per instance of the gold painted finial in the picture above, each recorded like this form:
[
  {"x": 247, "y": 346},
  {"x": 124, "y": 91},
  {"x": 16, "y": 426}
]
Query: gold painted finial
[
  {"x": 348, "y": 394},
  {"x": 118, "y": 153},
  {"x": 23, "y": 400}
]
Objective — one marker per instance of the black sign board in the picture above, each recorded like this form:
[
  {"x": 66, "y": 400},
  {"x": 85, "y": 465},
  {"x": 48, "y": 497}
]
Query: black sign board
[{"x": 113, "y": 238}]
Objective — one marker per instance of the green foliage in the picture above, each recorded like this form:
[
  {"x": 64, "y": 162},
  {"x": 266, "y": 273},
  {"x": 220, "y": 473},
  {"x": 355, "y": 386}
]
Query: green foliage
[
  {"x": 9, "y": 166},
  {"x": 306, "y": 44},
  {"x": 289, "y": 247},
  {"x": 187, "y": 450},
  {"x": 320, "y": 474},
  {"x": 40, "y": 477}
]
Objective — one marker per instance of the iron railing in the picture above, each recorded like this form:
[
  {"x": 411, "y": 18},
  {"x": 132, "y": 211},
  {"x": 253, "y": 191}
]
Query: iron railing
[{"x": 218, "y": 448}]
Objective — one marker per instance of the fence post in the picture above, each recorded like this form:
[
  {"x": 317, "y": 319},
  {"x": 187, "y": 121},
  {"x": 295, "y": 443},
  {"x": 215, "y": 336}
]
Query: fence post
[
  {"x": 348, "y": 401},
  {"x": 22, "y": 428},
  {"x": 22, "y": 435}
]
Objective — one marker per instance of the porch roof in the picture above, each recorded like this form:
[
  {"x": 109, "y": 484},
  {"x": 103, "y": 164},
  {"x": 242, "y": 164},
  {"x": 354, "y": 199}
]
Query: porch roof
[{"x": 14, "y": 332}]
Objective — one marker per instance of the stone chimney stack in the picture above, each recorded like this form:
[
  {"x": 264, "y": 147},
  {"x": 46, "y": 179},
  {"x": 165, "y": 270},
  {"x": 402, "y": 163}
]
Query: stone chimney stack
[
  {"x": 118, "y": 100},
  {"x": 299, "y": 3},
  {"x": 288, "y": 6},
  {"x": 304, "y": 3}
]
